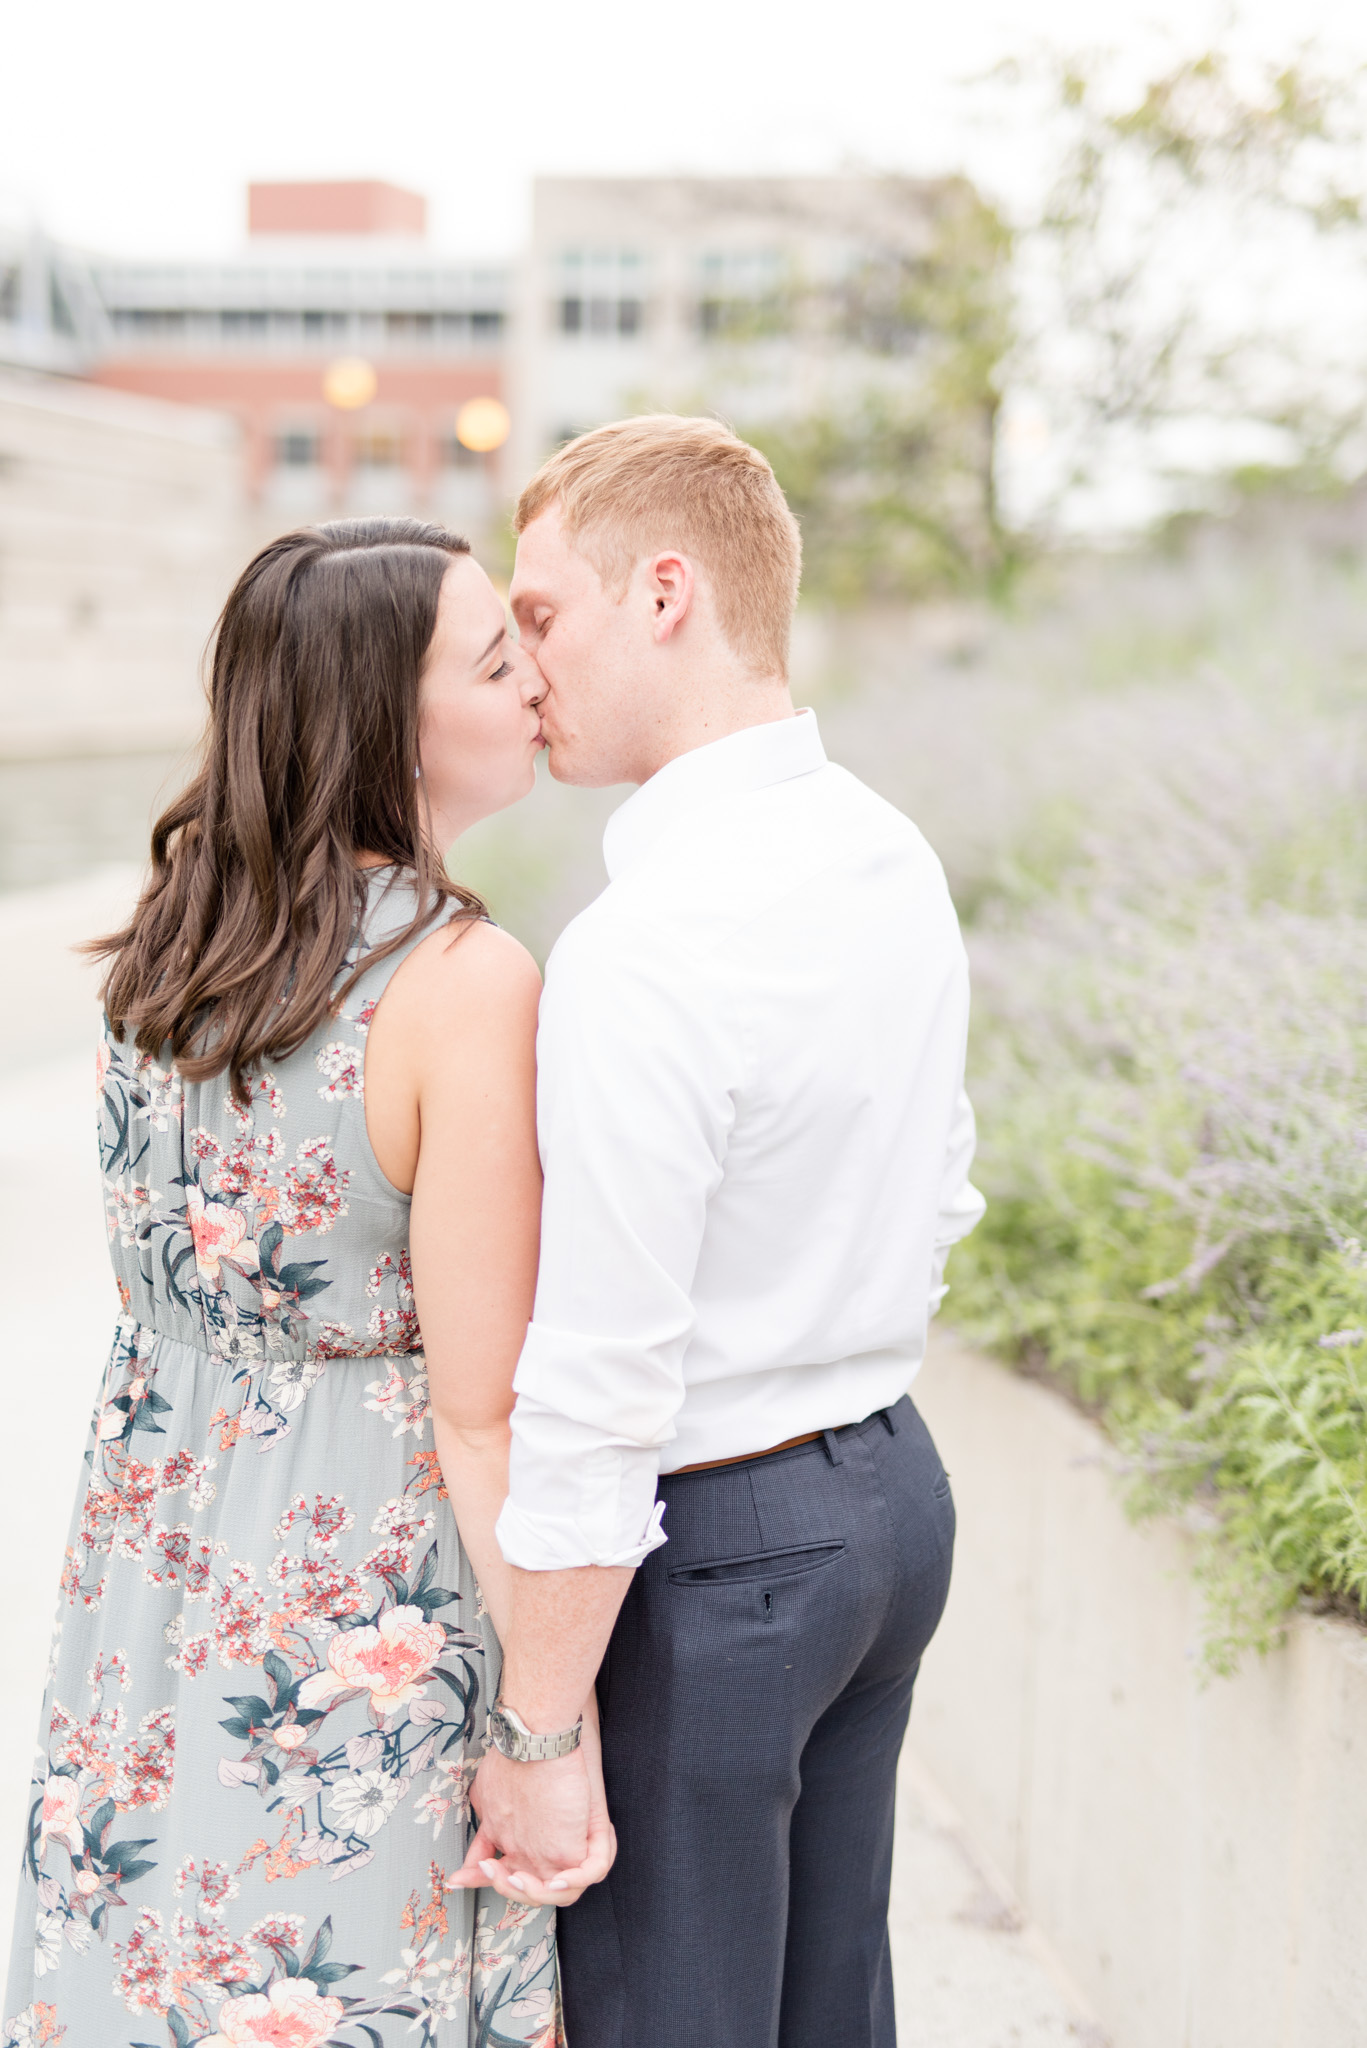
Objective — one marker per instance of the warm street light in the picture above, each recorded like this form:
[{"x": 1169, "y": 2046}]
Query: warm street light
[
  {"x": 350, "y": 382},
  {"x": 482, "y": 424}
]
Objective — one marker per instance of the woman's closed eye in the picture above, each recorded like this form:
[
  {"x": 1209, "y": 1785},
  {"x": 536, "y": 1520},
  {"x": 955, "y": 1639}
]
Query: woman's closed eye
[{"x": 505, "y": 668}]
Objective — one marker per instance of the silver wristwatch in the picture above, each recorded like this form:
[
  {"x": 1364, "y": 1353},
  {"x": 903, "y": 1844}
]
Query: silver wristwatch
[{"x": 511, "y": 1737}]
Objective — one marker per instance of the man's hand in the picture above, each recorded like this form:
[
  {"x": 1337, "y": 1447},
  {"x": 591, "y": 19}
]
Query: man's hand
[
  {"x": 549, "y": 1821},
  {"x": 544, "y": 1832},
  {"x": 535, "y": 1815}
]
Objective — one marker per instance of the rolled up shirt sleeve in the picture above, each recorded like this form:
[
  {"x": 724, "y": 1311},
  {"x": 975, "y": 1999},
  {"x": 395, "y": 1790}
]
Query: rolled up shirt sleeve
[
  {"x": 961, "y": 1207},
  {"x": 637, "y": 1062}
]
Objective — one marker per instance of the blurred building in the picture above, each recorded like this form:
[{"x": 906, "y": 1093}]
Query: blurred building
[
  {"x": 759, "y": 298},
  {"x": 346, "y": 348},
  {"x": 51, "y": 315},
  {"x": 341, "y": 344},
  {"x": 158, "y": 418},
  {"x": 120, "y": 532}
]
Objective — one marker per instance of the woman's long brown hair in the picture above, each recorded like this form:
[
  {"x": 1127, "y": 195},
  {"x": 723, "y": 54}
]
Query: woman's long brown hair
[{"x": 310, "y": 758}]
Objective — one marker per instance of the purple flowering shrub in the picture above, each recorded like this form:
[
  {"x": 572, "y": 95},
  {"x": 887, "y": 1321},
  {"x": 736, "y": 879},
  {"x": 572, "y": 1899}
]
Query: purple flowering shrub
[{"x": 1151, "y": 798}]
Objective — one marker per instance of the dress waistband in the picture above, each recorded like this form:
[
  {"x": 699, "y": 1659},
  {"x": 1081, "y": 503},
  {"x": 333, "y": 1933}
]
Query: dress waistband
[{"x": 131, "y": 1326}]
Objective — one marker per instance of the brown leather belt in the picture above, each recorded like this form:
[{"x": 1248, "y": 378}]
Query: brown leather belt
[{"x": 748, "y": 1457}]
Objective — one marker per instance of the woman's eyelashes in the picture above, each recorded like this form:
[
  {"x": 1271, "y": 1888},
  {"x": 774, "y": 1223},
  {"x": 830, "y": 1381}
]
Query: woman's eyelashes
[{"x": 505, "y": 668}]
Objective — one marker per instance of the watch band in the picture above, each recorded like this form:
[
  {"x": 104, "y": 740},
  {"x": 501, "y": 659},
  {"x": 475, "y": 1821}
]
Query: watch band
[{"x": 511, "y": 1737}]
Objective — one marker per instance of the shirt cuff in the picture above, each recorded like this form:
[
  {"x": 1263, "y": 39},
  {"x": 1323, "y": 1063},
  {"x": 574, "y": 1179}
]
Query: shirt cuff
[{"x": 553, "y": 1543}]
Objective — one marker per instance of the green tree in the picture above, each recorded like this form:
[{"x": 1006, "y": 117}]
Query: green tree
[
  {"x": 1186, "y": 288},
  {"x": 893, "y": 477}
]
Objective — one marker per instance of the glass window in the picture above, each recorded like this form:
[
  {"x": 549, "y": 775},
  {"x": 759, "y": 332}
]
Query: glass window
[
  {"x": 408, "y": 326},
  {"x": 630, "y": 316},
  {"x": 297, "y": 448},
  {"x": 571, "y": 316},
  {"x": 455, "y": 455},
  {"x": 240, "y": 326},
  {"x": 379, "y": 448}
]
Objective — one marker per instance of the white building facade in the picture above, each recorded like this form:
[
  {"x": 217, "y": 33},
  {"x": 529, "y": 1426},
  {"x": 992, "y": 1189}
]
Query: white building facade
[{"x": 749, "y": 296}]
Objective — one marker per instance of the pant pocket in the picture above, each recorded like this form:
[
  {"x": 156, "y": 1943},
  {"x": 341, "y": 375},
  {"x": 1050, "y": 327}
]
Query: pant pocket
[{"x": 768, "y": 1564}]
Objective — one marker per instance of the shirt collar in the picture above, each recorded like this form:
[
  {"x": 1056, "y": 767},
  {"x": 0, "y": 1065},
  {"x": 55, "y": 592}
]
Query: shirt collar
[{"x": 753, "y": 758}]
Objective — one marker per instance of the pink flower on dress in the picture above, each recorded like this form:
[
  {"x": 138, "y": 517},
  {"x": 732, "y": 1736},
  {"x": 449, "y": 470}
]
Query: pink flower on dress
[
  {"x": 389, "y": 1662},
  {"x": 220, "y": 1233},
  {"x": 311, "y": 1197},
  {"x": 61, "y": 1811},
  {"x": 291, "y": 2015}
]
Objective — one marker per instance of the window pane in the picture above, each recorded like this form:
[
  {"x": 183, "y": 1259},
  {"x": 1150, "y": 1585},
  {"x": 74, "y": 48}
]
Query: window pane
[
  {"x": 379, "y": 448},
  {"x": 297, "y": 449}
]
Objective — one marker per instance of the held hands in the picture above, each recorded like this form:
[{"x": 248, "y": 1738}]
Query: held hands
[{"x": 544, "y": 1835}]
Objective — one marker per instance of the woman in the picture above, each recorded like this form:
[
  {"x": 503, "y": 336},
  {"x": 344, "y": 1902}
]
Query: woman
[{"x": 316, "y": 1101}]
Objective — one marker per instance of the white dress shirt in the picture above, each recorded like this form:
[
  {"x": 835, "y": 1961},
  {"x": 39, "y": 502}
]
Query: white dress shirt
[{"x": 754, "y": 1132}]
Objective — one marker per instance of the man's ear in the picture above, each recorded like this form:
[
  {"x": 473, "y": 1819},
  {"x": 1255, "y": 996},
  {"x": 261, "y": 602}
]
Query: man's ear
[{"x": 669, "y": 580}]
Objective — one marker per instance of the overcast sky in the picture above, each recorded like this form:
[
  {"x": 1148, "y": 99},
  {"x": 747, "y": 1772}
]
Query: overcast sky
[{"x": 134, "y": 129}]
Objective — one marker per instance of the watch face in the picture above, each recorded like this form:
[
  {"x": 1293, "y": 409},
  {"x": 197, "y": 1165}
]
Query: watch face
[{"x": 501, "y": 1732}]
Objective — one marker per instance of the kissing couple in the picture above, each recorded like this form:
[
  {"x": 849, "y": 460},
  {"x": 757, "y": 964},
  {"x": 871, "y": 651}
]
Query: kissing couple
[{"x": 492, "y": 1608}]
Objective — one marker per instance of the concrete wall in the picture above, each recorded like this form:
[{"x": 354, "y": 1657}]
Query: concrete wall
[
  {"x": 1196, "y": 1854},
  {"x": 120, "y": 533}
]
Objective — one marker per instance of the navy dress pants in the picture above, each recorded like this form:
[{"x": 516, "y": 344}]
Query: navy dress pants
[{"x": 754, "y": 1697}]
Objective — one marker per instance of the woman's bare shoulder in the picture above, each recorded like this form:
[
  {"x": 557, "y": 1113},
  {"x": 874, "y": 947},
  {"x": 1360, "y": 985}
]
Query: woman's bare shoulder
[{"x": 470, "y": 977}]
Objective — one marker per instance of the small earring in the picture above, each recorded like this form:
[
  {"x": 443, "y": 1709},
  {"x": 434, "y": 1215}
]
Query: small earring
[{"x": 417, "y": 772}]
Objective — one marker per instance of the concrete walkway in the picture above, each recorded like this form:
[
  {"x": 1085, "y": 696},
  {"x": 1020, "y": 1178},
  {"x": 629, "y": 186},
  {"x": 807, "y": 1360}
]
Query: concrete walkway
[{"x": 969, "y": 1973}]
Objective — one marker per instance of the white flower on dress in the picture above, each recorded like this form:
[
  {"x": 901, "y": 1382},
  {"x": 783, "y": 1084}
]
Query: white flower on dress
[
  {"x": 294, "y": 1789},
  {"x": 431, "y": 1807},
  {"x": 47, "y": 1946},
  {"x": 363, "y": 1801},
  {"x": 112, "y": 1422},
  {"x": 441, "y": 1981},
  {"x": 343, "y": 1068},
  {"x": 292, "y": 1379},
  {"x": 400, "y": 1401},
  {"x": 165, "y": 1097},
  {"x": 402, "y": 1516}
]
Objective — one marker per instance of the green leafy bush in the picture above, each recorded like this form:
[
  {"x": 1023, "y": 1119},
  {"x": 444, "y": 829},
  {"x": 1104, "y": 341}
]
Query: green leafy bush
[{"x": 1170, "y": 1071}]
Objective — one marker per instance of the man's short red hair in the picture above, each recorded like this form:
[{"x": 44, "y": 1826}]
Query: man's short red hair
[{"x": 641, "y": 486}]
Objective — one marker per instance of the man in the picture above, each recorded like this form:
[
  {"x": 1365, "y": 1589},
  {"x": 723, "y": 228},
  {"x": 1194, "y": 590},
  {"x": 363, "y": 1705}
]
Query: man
[{"x": 756, "y": 1147}]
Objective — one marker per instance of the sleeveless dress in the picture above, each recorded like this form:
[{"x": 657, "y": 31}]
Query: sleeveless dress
[{"x": 272, "y": 1665}]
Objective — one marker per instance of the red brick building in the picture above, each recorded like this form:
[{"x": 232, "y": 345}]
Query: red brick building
[{"x": 341, "y": 343}]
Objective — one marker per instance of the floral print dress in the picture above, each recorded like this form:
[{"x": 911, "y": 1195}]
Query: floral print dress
[{"x": 272, "y": 1664}]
